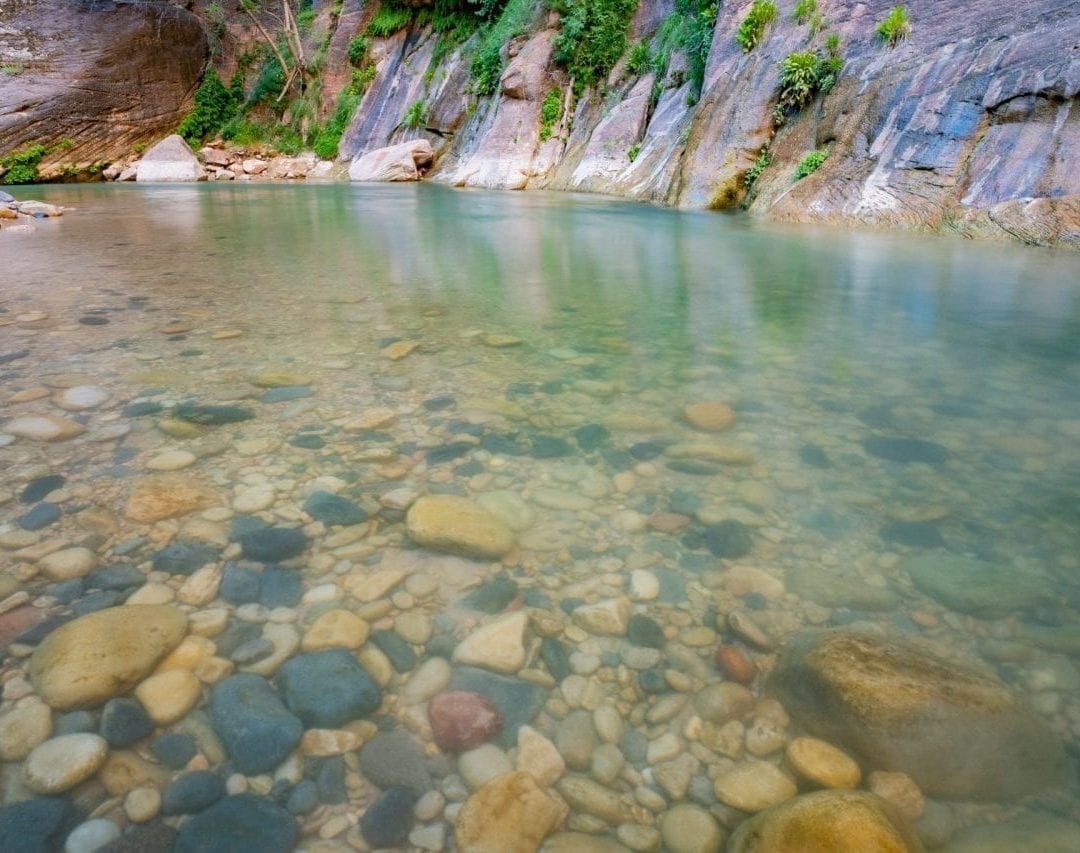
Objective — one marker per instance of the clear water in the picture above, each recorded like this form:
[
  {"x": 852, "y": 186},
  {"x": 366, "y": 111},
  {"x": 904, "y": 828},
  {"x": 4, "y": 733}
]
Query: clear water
[{"x": 820, "y": 341}]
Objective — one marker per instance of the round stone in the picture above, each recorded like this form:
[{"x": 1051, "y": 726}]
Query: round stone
[
  {"x": 92, "y": 835},
  {"x": 462, "y": 720},
  {"x": 67, "y": 563},
  {"x": 63, "y": 762},
  {"x": 336, "y": 629},
  {"x": 457, "y": 525},
  {"x": 709, "y": 416},
  {"x": 142, "y": 804},
  {"x": 82, "y": 397},
  {"x": 23, "y": 728},
  {"x": 822, "y": 763},
  {"x": 43, "y": 428},
  {"x": 168, "y": 696},
  {"x": 690, "y": 829},
  {"x": 171, "y": 460},
  {"x": 754, "y": 786}
]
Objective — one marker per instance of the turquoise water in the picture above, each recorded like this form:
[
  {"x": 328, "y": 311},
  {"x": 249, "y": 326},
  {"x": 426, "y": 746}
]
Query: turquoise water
[{"x": 894, "y": 396}]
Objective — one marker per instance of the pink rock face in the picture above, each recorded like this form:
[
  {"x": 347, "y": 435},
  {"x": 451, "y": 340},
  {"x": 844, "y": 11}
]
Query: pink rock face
[{"x": 462, "y": 720}]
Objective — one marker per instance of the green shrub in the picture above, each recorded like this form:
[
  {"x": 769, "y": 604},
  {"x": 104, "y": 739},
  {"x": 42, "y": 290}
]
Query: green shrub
[
  {"x": 592, "y": 37},
  {"x": 689, "y": 29},
  {"x": 214, "y": 107},
  {"x": 761, "y": 163},
  {"x": 485, "y": 66},
  {"x": 326, "y": 143},
  {"x": 640, "y": 59},
  {"x": 245, "y": 132},
  {"x": 804, "y": 11},
  {"x": 387, "y": 21},
  {"x": 415, "y": 116},
  {"x": 896, "y": 27},
  {"x": 752, "y": 28},
  {"x": 810, "y": 164},
  {"x": 357, "y": 50},
  {"x": 631, "y": 155},
  {"x": 550, "y": 112},
  {"x": 11, "y": 69},
  {"x": 804, "y": 74},
  {"x": 21, "y": 167}
]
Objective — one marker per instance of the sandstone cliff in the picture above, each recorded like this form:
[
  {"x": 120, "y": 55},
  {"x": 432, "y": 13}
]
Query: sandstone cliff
[{"x": 971, "y": 123}]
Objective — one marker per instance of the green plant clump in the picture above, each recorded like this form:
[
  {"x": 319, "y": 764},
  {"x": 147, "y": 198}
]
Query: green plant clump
[
  {"x": 214, "y": 107},
  {"x": 810, "y": 164},
  {"x": 804, "y": 10},
  {"x": 415, "y": 116},
  {"x": 752, "y": 28},
  {"x": 761, "y": 163},
  {"x": 550, "y": 112},
  {"x": 357, "y": 51},
  {"x": 804, "y": 74},
  {"x": 639, "y": 59},
  {"x": 689, "y": 29},
  {"x": 635, "y": 149},
  {"x": 326, "y": 143},
  {"x": 896, "y": 27},
  {"x": 387, "y": 21},
  {"x": 21, "y": 167},
  {"x": 592, "y": 38},
  {"x": 485, "y": 67}
]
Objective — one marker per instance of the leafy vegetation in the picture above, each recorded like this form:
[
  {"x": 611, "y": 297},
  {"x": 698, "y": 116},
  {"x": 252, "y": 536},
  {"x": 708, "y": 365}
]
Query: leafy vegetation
[
  {"x": 550, "y": 113},
  {"x": 635, "y": 149},
  {"x": 388, "y": 20},
  {"x": 752, "y": 28},
  {"x": 357, "y": 51},
  {"x": 806, "y": 12},
  {"x": 805, "y": 74},
  {"x": 486, "y": 65},
  {"x": 689, "y": 29},
  {"x": 11, "y": 69},
  {"x": 415, "y": 116},
  {"x": 592, "y": 37},
  {"x": 761, "y": 163},
  {"x": 639, "y": 59},
  {"x": 326, "y": 142},
  {"x": 21, "y": 167},
  {"x": 896, "y": 27},
  {"x": 214, "y": 107},
  {"x": 810, "y": 164}
]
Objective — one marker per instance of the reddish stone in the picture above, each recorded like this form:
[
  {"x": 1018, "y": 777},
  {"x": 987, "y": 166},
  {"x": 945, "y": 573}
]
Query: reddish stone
[
  {"x": 735, "y": 665},
  {"x": 462, "y": 720},
  {"x": 14, "y": 622}
]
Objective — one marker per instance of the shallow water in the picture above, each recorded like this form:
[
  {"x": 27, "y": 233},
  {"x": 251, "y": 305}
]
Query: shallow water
[{"x": 893, "y": 396}]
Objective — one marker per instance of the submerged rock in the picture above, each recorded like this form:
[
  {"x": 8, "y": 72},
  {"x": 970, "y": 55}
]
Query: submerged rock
[
  {"x": 509, "y": 814},
  {"x": 244, "y": 823},
  {"x": 955, "y": 728},
  {"x": 253, "y": 724},
  {"x": 836, "y": 821},
  {"x": 971, "y": 585},
  {"x": 459, "y": 526}
]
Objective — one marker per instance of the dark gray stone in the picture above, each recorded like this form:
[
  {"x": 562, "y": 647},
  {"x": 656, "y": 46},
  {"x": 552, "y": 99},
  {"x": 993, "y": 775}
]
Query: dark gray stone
[
  {"x": 273, "y": 544},
  {"x": 174, "y": 749},
  {"x": 257, "y": 730},
  {"x": 328, "y": 689},
  {"x": 395, "y": 758},
  {"x": 36, "y": 826},
  {"x": 244, "y": 823},
  {"x": 333, "y": 509},
  {"x": 388, "y": 820},
  {"x": 184, "y": 557},
  {"x": 40, "y": 488},
  {"x": 192, "y": 792},
  {"x": 40, "y": 516},
  {"x": 123, "y": 722}
]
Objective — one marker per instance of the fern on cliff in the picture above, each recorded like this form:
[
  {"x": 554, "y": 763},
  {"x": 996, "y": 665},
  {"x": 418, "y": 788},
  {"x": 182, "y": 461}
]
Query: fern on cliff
[
  {"x": 592, "y": 37},
  {"x": 214, "y": 107}
]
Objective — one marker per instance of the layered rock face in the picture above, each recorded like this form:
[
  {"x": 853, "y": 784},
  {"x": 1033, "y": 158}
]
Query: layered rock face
[{"x": 92, "y": 79}]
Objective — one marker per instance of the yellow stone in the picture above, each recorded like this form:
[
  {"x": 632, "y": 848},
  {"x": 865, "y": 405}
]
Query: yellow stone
[
  {"x": 368, "y": 588},
  {"x": 459, "y": 526},
  {"x": 822, "y": 763},
  {"x": 125, "y": 771},
  {"x": 165, "y": 496},
  {"x": 376, "y": 418},
  {"x": 500, "y": 341},
  {"x": 280, "y": 379},
  {"x": 191, "y": 652},
  {"x": 28, "y": 395},
  {"x": 399, "y": 349},
  {"x": 510, "y": 814},
  {"x": 710, "y": 416},
  {"x": 168, "y": 696},
  {"x": 335, "y": 629},
  {"x": 326, "y": 742},
  {"x": 176, "y": 428},
  {"x": 226, "y": 334},
  {"x": 498, "y": 646}
]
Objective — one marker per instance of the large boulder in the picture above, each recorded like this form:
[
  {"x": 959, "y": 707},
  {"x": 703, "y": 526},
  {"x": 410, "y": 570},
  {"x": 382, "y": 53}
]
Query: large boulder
[
  {"x": 406, "y": 161},
  {"x": 170, "y": 161},
  {"x": 899, "y": 704},
  {"x": 833, "y": 821},
  {"x": 101, "y": 655},
  {"x": 97, "y": 77}
]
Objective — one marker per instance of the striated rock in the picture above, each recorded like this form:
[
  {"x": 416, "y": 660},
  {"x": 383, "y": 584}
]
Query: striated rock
[
  {"x": 510, "y": 814},
  {"x": 170, "y": 160},
  {"x": 103, "y": 654},
  {"x": 836, "y": 821},
  {"x": 459, "y": 526},
  {"x": 462, "y": 720},
  {"x": 952, "y": 726},
  {"x": 406, "y": 161},
  {"x": 63, "y": 762},
  {"x": 607, "y": 155},
  {"x": 497, "y": 646}
]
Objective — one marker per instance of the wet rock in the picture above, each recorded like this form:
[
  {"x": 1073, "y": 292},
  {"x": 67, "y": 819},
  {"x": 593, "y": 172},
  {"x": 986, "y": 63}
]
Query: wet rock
[
  {"x": 91, "y": 836},
  {"x": 754, "y": 786},
  {"x": 328, "y": 689},
  {"x": 36, "y": 825},
  {"x": 40, "y": 516},
  {"x": 44, "y": 428},
  {"x": 63, "y": 762},
  {"x": 103, "y": 654},
  {"x": 340, "y": 629},
  {"x": 212, "y": 415},
  {"x": 576, "y": 739},
  {"x": 709, "y": 416},
  {"x": 23, "y": 728},
  {"x": 406, "y": 161},
  {"x": 244, "y": 823},
  {"x": 952, "y": 726},
  {"x": 67, "y": 563},
  {"x": 608, "y": 618},
  {"x": 974, "y": 586},
  {"x": 461, "y": 720},
  {"x": 498, "y": 646},
  {"x": 643, "y": 631},
  {"x": 822, "y": 763},
  {"x": 517, "y": 701},
  {"x": 273, "y": 544},
  {"x": 510, "y": 814},
  {"x": 395, "y": 758},
  {"x": 183, "y": 557},
  {"x": 168, "y": 696},
  {"x": 539, "y": 757},
  {"x": 170, "y": 160},
  {"x": 457, "y": 525},
  {"x": 730, "y": 539},
  {"x": 1045, "y": 833},
  {"x": 123, "y": 722},
  {"x": 735, "y": 664},
  {"x": 837, "y": 821},
  {"x": 332, "y": 509},
  {"x": 389, "y": 818},
  {"x": 174, "y": 749},
  {"x": 492, "y": 596},
  {"x": 280, "y": 587},
  {"x": 254, "y": 726},
  {"x": 906, "y": 450},
  {"x": 583, "y": 794},
  {"x": 192, "y": 792},
  {"x": 690, "y": 829},
  {"x": 400, "y": 654},
  {"x": 166, "y": 496},
  {"x": 41, "y": 487}
]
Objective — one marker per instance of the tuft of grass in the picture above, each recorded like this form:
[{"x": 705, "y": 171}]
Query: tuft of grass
[
  {"x": 11, "y": 69},
  {"x": 640, "y": 59},
  {"x": 752, "y": 28},
  {"x": 895, "y": 27},
  {"x": 761, "y": 163},
  {"x": 689, "y": 30},
  {"x": 415, "y": 116},
  {"x": 550, "y": 113},
  {"x": 592, "y": 37},
  {"x": 805, "y": 74},
  {"x": 387, "y": 21},
  {"x": 21, "y": 167},
  {"x": 804, "y": 10},
  {"x": 357, "y": 50},
  {"x": 810, "y": 164},
  {"x": 214, "y": 107},
  {"x": 486, "y": 64},
  {"x": 635, "y": 149}
]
